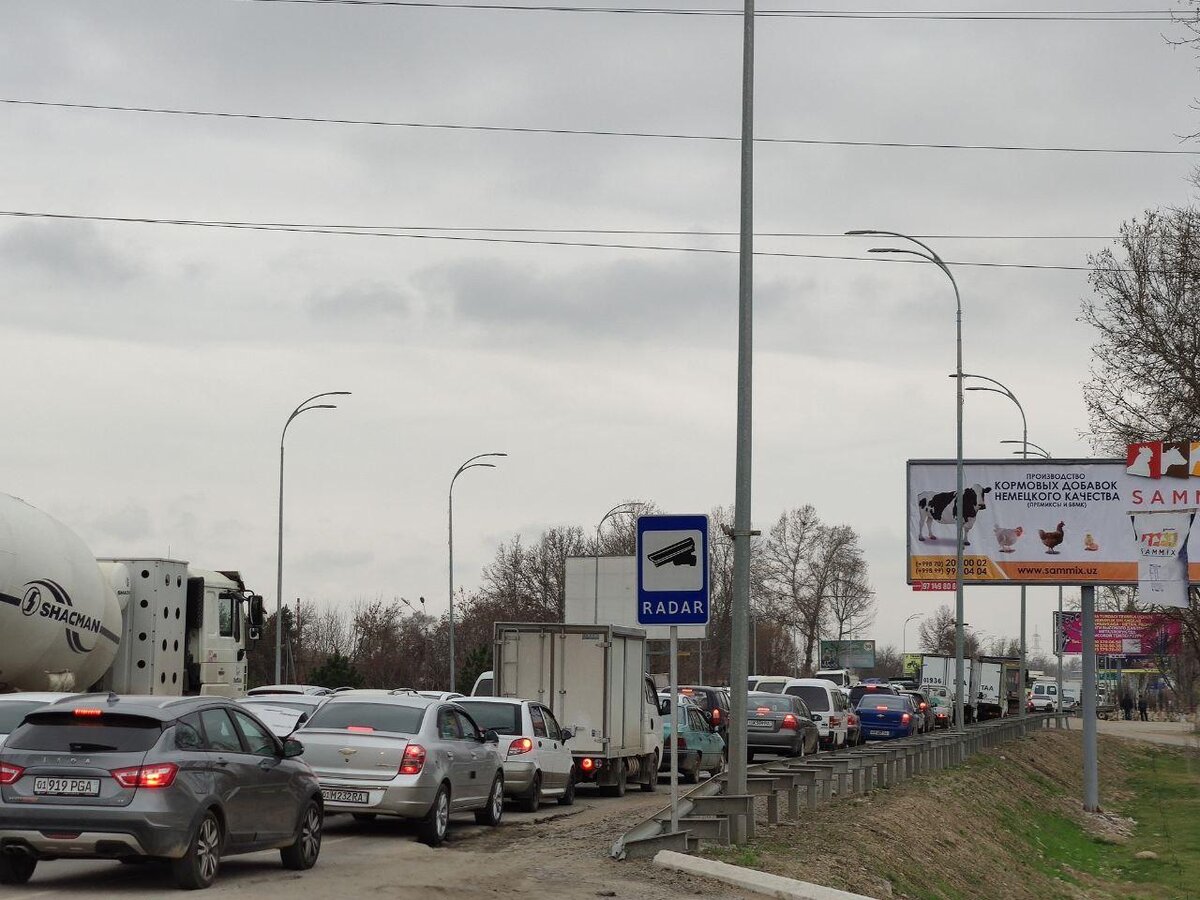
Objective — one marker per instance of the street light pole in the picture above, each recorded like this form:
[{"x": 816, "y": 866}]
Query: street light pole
[
  {"x": 302, "y": 408},
  {"x": 629, "y": 506},
  {"x": 931, "y": 256},
  {"x": 904, "y": 635},
  {"x": 1004, "y": 391},
  {"x": 468, "y": 464}
]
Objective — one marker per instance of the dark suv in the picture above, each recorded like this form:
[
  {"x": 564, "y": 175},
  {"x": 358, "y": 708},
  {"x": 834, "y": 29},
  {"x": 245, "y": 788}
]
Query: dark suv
[
  {"x": 185, "y": 779},
  {"x": 860, "y": 690},
  {"x": 713, "y": 702}
]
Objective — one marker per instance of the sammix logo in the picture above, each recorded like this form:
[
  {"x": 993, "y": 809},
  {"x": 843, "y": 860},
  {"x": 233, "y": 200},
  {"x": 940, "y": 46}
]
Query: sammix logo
[
  {"x": 1163, "y": 459},
  {"x": 1160, "y": 543}
]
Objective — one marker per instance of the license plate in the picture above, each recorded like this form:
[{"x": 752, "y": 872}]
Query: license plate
[
  {"x": 879, "y": 733},
  {"x": 67, "y": 787},
  {"x": 761, "y": 723},
  {"x": 345, "y": 796}
]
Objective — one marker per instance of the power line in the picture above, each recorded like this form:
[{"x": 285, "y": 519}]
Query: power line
[
  {"x": 1092, "y": 15},
  {"x": 538, "y": 242},
  {"x": 519, "y": 129}
]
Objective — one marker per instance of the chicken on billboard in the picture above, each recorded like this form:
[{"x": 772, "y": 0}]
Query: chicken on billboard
[{"x": 1054, "y": 522}]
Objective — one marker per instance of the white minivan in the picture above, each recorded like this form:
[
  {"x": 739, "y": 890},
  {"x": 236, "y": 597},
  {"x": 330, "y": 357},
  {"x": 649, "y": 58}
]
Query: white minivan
[
  {"x": 829, "y": 707},
  {"x": 1044, "y": 696}
]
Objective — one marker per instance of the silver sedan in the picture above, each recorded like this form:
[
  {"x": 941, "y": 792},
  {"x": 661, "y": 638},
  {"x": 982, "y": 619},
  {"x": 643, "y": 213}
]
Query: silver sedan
[{"x": 407, "y": 756}]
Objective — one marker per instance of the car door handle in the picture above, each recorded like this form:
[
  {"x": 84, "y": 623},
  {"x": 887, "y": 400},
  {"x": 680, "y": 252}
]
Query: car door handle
[
  {"x": 449, "y": 755},
  {"x": 222, "y": 763},
  {"x": 266, "y": 764}
]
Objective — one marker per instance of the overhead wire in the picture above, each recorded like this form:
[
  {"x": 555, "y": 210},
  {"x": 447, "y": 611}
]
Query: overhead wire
[{"x": 590, "y": 132}]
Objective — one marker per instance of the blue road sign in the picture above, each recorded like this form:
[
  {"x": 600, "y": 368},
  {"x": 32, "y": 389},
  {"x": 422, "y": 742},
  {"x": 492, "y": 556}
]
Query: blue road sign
[{"x": 672, "y": 570}]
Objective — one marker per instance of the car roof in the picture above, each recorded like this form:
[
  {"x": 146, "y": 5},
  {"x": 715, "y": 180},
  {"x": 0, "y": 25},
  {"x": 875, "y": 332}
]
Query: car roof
[
  {"x": 40, "y": 696},
  {"x": 811, "y": 682},
  {"x": 268, "y": 699},
  {"x": 162, "y": 708},
  {"x": 511, "y": 701},
  {"x": 286, "y": 689}
]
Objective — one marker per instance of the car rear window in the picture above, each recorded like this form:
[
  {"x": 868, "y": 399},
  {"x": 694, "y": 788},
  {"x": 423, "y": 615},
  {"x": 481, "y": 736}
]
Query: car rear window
[
  {"x": 375, "y": 716},
  {"x": 771, "y": 687},
  {"x": 502, "y": 718},
  {"x": 775, "y": 703},
  {"x": 861, "y": 690},
  {"x": 12, "y": 712},
  {"x": 891, "y": 701},
  {"x": 816, "y": 698},
  {"x": 64, "y": 732},
  {"x": 700, "y": 698}
]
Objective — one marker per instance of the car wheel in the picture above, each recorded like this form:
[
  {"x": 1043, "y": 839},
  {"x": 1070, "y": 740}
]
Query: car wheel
[
  {"x": 531, "y": 801},
  {"x": 494, "y": 811},
  {"x": 16, "y": 869},
  {"x": 568, "y": 794},
  {"x": 198, "y": 867},
  {"x": 650, "y": 785},
  {"x": 304, "y": 852},
  {"x": 432, "y": 830},
  {"x": 693, "y": 777}
]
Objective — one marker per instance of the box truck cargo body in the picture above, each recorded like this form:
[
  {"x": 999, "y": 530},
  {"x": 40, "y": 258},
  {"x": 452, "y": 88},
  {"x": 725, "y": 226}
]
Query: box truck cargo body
[{"x": 593, "y": 679}]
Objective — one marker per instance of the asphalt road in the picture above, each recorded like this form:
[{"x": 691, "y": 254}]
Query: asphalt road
[{"x": 1177, "y": 734}]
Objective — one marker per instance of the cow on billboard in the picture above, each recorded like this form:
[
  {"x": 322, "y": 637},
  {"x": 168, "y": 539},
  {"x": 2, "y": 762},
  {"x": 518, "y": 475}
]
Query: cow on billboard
[{"x": 938, "y": 506}]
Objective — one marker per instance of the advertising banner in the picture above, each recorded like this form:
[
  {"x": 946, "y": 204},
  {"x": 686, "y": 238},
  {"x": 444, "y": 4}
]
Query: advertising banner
[
  {"x": 847, "y": 654},
  {"x": 912, "y": 665},
  {"x": 1055, "y": 522},
  {"x": 1123, "y": 634}
]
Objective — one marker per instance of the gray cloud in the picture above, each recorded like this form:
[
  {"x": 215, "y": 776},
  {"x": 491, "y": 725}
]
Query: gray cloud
[{"x": 71, "y": 252}]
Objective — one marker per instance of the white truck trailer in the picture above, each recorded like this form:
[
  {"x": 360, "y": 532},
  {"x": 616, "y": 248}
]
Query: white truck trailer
[
  {"x": 70, "y": 622},
  {"x": 991, "y": 694},
  {"x": 937, "y": 673},
  {"x": 594, "y": 680}
]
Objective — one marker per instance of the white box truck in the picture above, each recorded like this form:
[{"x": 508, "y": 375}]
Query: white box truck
[
  {"x": 991, "y": 694},
  {"x": 593, "y": 678}
]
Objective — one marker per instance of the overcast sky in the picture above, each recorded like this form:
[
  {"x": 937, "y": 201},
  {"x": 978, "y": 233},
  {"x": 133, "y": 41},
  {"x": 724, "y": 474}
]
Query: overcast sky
[{"x": 149, "y": 368}]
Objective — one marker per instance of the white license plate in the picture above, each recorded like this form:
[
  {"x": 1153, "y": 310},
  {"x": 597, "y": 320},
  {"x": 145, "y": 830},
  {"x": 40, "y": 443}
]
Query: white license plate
[
  {"x": 879, "y": 733},
  {"x": 761, "y": 723},
  {"x": 67, "y": 787},
  {"x": 345, "y": 796}
]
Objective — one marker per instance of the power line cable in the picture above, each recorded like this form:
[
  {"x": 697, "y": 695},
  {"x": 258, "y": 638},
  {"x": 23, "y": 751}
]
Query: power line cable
[
  {"x": 518, "y": 129},
  {"x": 302, "y": 229}
]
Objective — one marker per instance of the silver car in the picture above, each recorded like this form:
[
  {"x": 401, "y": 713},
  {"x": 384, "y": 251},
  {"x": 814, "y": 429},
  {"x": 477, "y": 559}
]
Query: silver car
[
  {"x": 283, "y": 713},
  {"x": 405, "y": 755},
  {"x": 184, "y": 779}
]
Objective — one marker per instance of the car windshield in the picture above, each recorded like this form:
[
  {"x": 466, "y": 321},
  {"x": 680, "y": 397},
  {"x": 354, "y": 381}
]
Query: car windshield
[
  {"x": 771, "y": 686},
  {"x": 65, "y": 732},
  {"x": 13, "y": 711},
  {"x": 814, "y": 697},
  {"x": 884, "y": 701},
  {"x": 389, "y": 717},
  {"x": 502, "y": 718},
  {"x": 770, "y": 702}
]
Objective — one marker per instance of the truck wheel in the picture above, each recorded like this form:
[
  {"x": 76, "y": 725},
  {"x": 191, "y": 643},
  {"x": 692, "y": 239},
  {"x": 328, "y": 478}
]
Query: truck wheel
[
  {"x": 531, "y": 801},
  {"x": 197, "y": 868},
  {"x": 650, "y": 785},
  {"x": 568, "y": 795},
  {"x": 432, "y": 830},
  {"x": 618, "y": 789},
  {"x": 16, "y": 869}
]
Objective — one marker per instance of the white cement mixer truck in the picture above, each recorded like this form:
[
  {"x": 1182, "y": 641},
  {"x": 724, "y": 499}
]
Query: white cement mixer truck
[{"x": 70, "y": 622}]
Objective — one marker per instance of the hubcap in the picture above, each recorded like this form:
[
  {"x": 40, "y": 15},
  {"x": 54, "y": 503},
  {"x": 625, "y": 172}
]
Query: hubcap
[
  {"x": 206, "y": 849},
  {"x": 310, "y": 834},
  {"x": 497, "y": 799},
  {"x": 443, "y": 813}
]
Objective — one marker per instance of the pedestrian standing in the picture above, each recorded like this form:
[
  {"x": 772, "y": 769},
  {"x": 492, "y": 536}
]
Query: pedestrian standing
[
  {"x": 1127, "y": 705},
  {"x": 1142, "y": 706}
]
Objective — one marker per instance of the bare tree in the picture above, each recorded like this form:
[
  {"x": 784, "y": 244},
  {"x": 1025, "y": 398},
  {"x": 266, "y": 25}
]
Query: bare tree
[
  {"x": 851, "y": 597},
  {"x": 937, "y": 634}
]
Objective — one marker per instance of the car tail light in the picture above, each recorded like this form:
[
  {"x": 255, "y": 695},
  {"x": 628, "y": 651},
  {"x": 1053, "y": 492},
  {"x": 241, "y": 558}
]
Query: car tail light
[
  {"x": 9, "y": 773},
  {"x": 905, "y": 719},
  {"x": 587, "y": 764},
  {"x": 519, "y": 746},
  {"x": 762, "y": 711},
  {"x": 716, "y": 715},
  {"x": 413, "y": 760},
  {"x": 681, "y": 743},
  {"x": 789, "y": 722},
  {"x": 159, "y": 776},
  {"x": 88, "y": 711},
  {"x": 881, "y": 708},
  {"x": 834, "y": 721},
  {"x": 924, "y": 706}
]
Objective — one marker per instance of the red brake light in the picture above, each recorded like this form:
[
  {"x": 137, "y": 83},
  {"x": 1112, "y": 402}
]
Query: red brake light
[
  {"x": 159, "y": 776},
  {"x": 763, "y": 711},
  {"x": 361, "y": 729},
  {"x": 881, "y": 708},
  {"x": 587, "y": 764},
  {"x": 413, "y": 760},
  {"x": 924, "y": 706},
  {"x": 9, "y": 773},
  {"x": 519, "y": 746},
  {"x": 716, "y": 715},
  {"x": 904, "y": 719},
  {"x": 88, "y": 711},
  {"x": 789, "y": 722},
  {"x": 681, "y": 743}
]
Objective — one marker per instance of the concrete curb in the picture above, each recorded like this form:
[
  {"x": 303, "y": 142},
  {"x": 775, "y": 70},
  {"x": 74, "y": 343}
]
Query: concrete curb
[{"x": 750, "y": 879}]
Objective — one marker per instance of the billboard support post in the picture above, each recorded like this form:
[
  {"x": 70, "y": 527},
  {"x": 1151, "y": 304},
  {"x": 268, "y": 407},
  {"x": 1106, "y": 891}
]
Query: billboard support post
[
  {"x": 1091, "y": 774},
  {"x": 1058, "y": 650}
]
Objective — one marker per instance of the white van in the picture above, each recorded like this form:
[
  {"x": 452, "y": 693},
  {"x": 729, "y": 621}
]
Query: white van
[
  {"x": 841, "y": 677},
  {"x": 829, "y": 707},
  {"x": 770, "y": 684},
  {"x": 1044, "y": 696}
]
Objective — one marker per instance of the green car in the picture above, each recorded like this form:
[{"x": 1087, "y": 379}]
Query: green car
[{"x": 700, "y": 748}]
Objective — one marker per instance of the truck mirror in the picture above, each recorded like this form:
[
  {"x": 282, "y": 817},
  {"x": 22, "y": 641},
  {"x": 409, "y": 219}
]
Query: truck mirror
[{"x": 256, "y": 613}]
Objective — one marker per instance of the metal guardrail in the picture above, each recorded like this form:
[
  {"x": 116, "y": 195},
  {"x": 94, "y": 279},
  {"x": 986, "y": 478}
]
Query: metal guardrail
[{"x": 706, "y": 812}]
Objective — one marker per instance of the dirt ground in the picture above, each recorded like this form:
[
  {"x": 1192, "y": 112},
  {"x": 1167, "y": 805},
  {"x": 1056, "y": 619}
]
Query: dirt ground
[{"x": 1178, "y": 734}]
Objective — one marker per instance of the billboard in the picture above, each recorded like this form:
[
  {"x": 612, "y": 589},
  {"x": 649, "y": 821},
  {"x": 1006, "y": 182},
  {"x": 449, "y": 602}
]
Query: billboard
[
  {"x": 1128, "y": 634},
  {"x": 847, "y": 654},
  {"x": 1053, "y": 522}
]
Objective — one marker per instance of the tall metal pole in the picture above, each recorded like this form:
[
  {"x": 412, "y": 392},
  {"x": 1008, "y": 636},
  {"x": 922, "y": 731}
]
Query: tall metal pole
[
  {"x": 674, "y": 729},
  {"x": 469, "y": 464},
  {"x": 302, "y": 408},
  {"x": 741, "y": 515},
  {"x": 1058, "y": 642},
  {"x": 1091, "y": 771},
  {"x": 627, "y": 507}
]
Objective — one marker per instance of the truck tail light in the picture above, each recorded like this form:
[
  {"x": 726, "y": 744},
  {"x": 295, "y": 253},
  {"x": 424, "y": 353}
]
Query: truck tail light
[
  {"x": 413, "y": 760},
  {"x": 789, "y": 722},
  {"x": 587, "y": 764},
  {"x": 519, "y": 746},
  {"x": 905, "y": 719},
  {"x": 159, "y": 776},
  {"x": 9, "y": 773},
  {"x": 834, "y": 721}
]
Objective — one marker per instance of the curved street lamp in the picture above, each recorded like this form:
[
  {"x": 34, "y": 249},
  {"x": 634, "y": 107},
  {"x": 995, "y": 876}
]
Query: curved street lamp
[
  {"x": 304, "y": 407},
  {"x": 928, "y": 254},
  {"x": 468, "y": 464},
  {"x": 904, "y": 633},
  {"x": 627, "y": 508},
  {"x": 1025, "y": 451}
]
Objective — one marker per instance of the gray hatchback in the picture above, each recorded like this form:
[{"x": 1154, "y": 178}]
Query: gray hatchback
[{"x": 185, "y": 779}]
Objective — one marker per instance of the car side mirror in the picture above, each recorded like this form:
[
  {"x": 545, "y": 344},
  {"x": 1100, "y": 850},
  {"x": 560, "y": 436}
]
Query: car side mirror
[
  {"x": 490, "y": 737},
  {"x": 565, "y": 735},
  {"x": 292, "y": 748}
]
